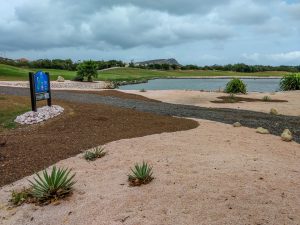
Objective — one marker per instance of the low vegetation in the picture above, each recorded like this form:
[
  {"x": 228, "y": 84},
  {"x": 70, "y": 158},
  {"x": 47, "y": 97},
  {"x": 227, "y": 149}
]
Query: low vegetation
[
  {"x": 20, "y": 197},
  {"x": 10, "y": 108},
  {"x": 94, "y": 154},
  {"x": 236, "y": 86},
  {"x": 141, "y": 174},
  {"x": 290, "y": 82},
  {"x": 46, "y": 188}
]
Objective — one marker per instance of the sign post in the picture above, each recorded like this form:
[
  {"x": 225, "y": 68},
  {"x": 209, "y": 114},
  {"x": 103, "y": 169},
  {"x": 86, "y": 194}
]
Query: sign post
[{"x": 39, "y": 88}]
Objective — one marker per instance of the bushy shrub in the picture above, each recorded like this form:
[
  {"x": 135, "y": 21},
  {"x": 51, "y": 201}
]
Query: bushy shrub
[
  {"x": 290, "y": 82},
  {"x": 88, "y": 70},
  {"x": 236, "y": 86},
  {"x": 141, "y": 174},
  {"x": 95, "y": 153}
]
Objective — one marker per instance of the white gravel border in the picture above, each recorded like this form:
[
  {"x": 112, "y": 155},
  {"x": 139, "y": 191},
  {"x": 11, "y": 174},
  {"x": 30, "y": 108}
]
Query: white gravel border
[
  {"x": 66, "y": 85},
  {"x": 42, "y": 114}
]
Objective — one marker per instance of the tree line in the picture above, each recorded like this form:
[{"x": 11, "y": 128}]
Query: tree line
[
  {"x": 62, "y": 64},
  {"x": 239, "y": 67},
  {"x": 68, "y": 64}
]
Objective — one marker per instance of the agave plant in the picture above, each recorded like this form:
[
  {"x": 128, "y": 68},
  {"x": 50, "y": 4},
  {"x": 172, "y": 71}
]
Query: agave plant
[
  {"x": 55, "y": 185},
  {"x": 97, "y": 152},
  {"x": 141, "y": 174}
]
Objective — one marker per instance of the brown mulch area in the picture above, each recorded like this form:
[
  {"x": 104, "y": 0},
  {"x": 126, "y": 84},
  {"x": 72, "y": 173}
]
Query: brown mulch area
[
  {"x": 32, "y": 148},
  {"x": 237, "y": 99},
  {"x": 118, "y": 94}
]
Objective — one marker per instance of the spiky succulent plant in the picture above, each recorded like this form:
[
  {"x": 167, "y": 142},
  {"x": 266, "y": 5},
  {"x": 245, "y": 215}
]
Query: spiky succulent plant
[
  {"x": 141, "y": 174},
  {"x": 54, "y": 185}
]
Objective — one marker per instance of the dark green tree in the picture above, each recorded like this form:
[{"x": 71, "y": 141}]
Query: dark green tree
[{"x": 88, "y": 70}]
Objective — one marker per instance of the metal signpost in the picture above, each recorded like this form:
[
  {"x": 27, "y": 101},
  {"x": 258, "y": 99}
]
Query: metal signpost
[{"x": 39, "y": 88}]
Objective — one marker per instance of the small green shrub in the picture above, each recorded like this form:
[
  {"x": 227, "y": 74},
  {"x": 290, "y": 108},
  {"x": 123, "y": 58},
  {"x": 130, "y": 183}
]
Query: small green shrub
[
  {"x": 95, "y": 153},
  {"x": 142, "y": 90},
  {"x": 141, "y": 174},
  {"x": 55, "y": 185},
  {"x": 20, "y": 197},
  {"x": 266, "y": 98},
  {"x": 236, "y": 86},
  {"x": 290, "y": 82}
]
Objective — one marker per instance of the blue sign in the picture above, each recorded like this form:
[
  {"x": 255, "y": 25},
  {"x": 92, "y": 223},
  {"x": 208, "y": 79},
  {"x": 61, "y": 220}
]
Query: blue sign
[{"x": 41, "y": 82}]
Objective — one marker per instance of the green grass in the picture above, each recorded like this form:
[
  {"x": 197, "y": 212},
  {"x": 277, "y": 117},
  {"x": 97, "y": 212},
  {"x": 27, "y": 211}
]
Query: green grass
[
  {"x": 126, "y": 74},
  {"x": 10, "y": 108},
  {"x": 141, "y": 74},
  {"x": 12, "y": 73}
]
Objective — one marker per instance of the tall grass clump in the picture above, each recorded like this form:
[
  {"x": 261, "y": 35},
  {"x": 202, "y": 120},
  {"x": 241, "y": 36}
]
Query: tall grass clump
[
  {"x": 290, "y": 82},
  {"x": 266, "y": 98},
  {"x": 236, "y": 86}
]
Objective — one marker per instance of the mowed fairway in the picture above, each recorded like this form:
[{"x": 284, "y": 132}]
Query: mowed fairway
[{"x": 11, "y": 73}]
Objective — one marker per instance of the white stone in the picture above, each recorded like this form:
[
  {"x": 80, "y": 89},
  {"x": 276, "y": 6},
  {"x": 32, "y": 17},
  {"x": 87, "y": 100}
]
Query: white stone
[
  {"x": 237, "y": 124},
  {"x": 60, "y": 79},
  {"x": 273, "y": 111},
  {"x": 42, "y": 114},
  {"x": 286, "y": 135},
  {"x": 261, "y": 130}
]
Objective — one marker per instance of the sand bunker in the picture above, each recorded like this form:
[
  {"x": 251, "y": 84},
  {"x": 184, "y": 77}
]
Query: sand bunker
[{"x": 213, "y": 174}]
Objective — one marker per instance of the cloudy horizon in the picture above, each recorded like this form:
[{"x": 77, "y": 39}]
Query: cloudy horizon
[{"x": 193, "y": 32}]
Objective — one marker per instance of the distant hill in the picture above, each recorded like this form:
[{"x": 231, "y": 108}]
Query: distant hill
[{"x": 159, "y": 61}]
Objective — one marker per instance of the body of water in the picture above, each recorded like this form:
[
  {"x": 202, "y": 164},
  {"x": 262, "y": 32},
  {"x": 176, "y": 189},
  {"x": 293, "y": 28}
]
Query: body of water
[{"x": 209, "y": 84}]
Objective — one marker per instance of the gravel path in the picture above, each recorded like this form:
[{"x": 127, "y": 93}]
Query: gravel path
[{"x": 275, "y": 124}]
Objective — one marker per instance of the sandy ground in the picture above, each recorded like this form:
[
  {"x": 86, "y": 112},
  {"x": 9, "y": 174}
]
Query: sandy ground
[
  {"x": 292, "y": 107},
  {"x": 213, "y": 174}
]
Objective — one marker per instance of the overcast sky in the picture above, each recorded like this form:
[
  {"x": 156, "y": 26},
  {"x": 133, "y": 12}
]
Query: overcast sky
[{"x": 192, "y": 31}]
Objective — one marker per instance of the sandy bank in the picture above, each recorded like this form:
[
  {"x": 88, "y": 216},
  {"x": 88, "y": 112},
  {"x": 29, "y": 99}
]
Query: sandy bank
[
  {"x": 198, "y": 98},
  {"x": 213, "y": 174}
]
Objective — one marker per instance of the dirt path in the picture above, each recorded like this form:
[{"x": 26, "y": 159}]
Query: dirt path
[{"x": 252, "y": 119}]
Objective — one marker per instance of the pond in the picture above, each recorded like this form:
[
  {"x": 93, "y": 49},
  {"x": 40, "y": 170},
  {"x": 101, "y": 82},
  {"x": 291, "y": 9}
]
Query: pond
[{"x": 206, "y": 84}]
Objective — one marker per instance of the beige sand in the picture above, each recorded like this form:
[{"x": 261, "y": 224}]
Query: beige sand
[
  {"x": 203, "y": 99},
  {"x": 214, "y": 174}
]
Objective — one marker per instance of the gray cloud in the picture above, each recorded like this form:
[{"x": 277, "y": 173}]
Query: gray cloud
[
  {"x": 246, "y": 13},
  {"x": 139, "y": 27},
  {"x": 170, "y": 6},
  {"x": 51, "y": 26}
]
